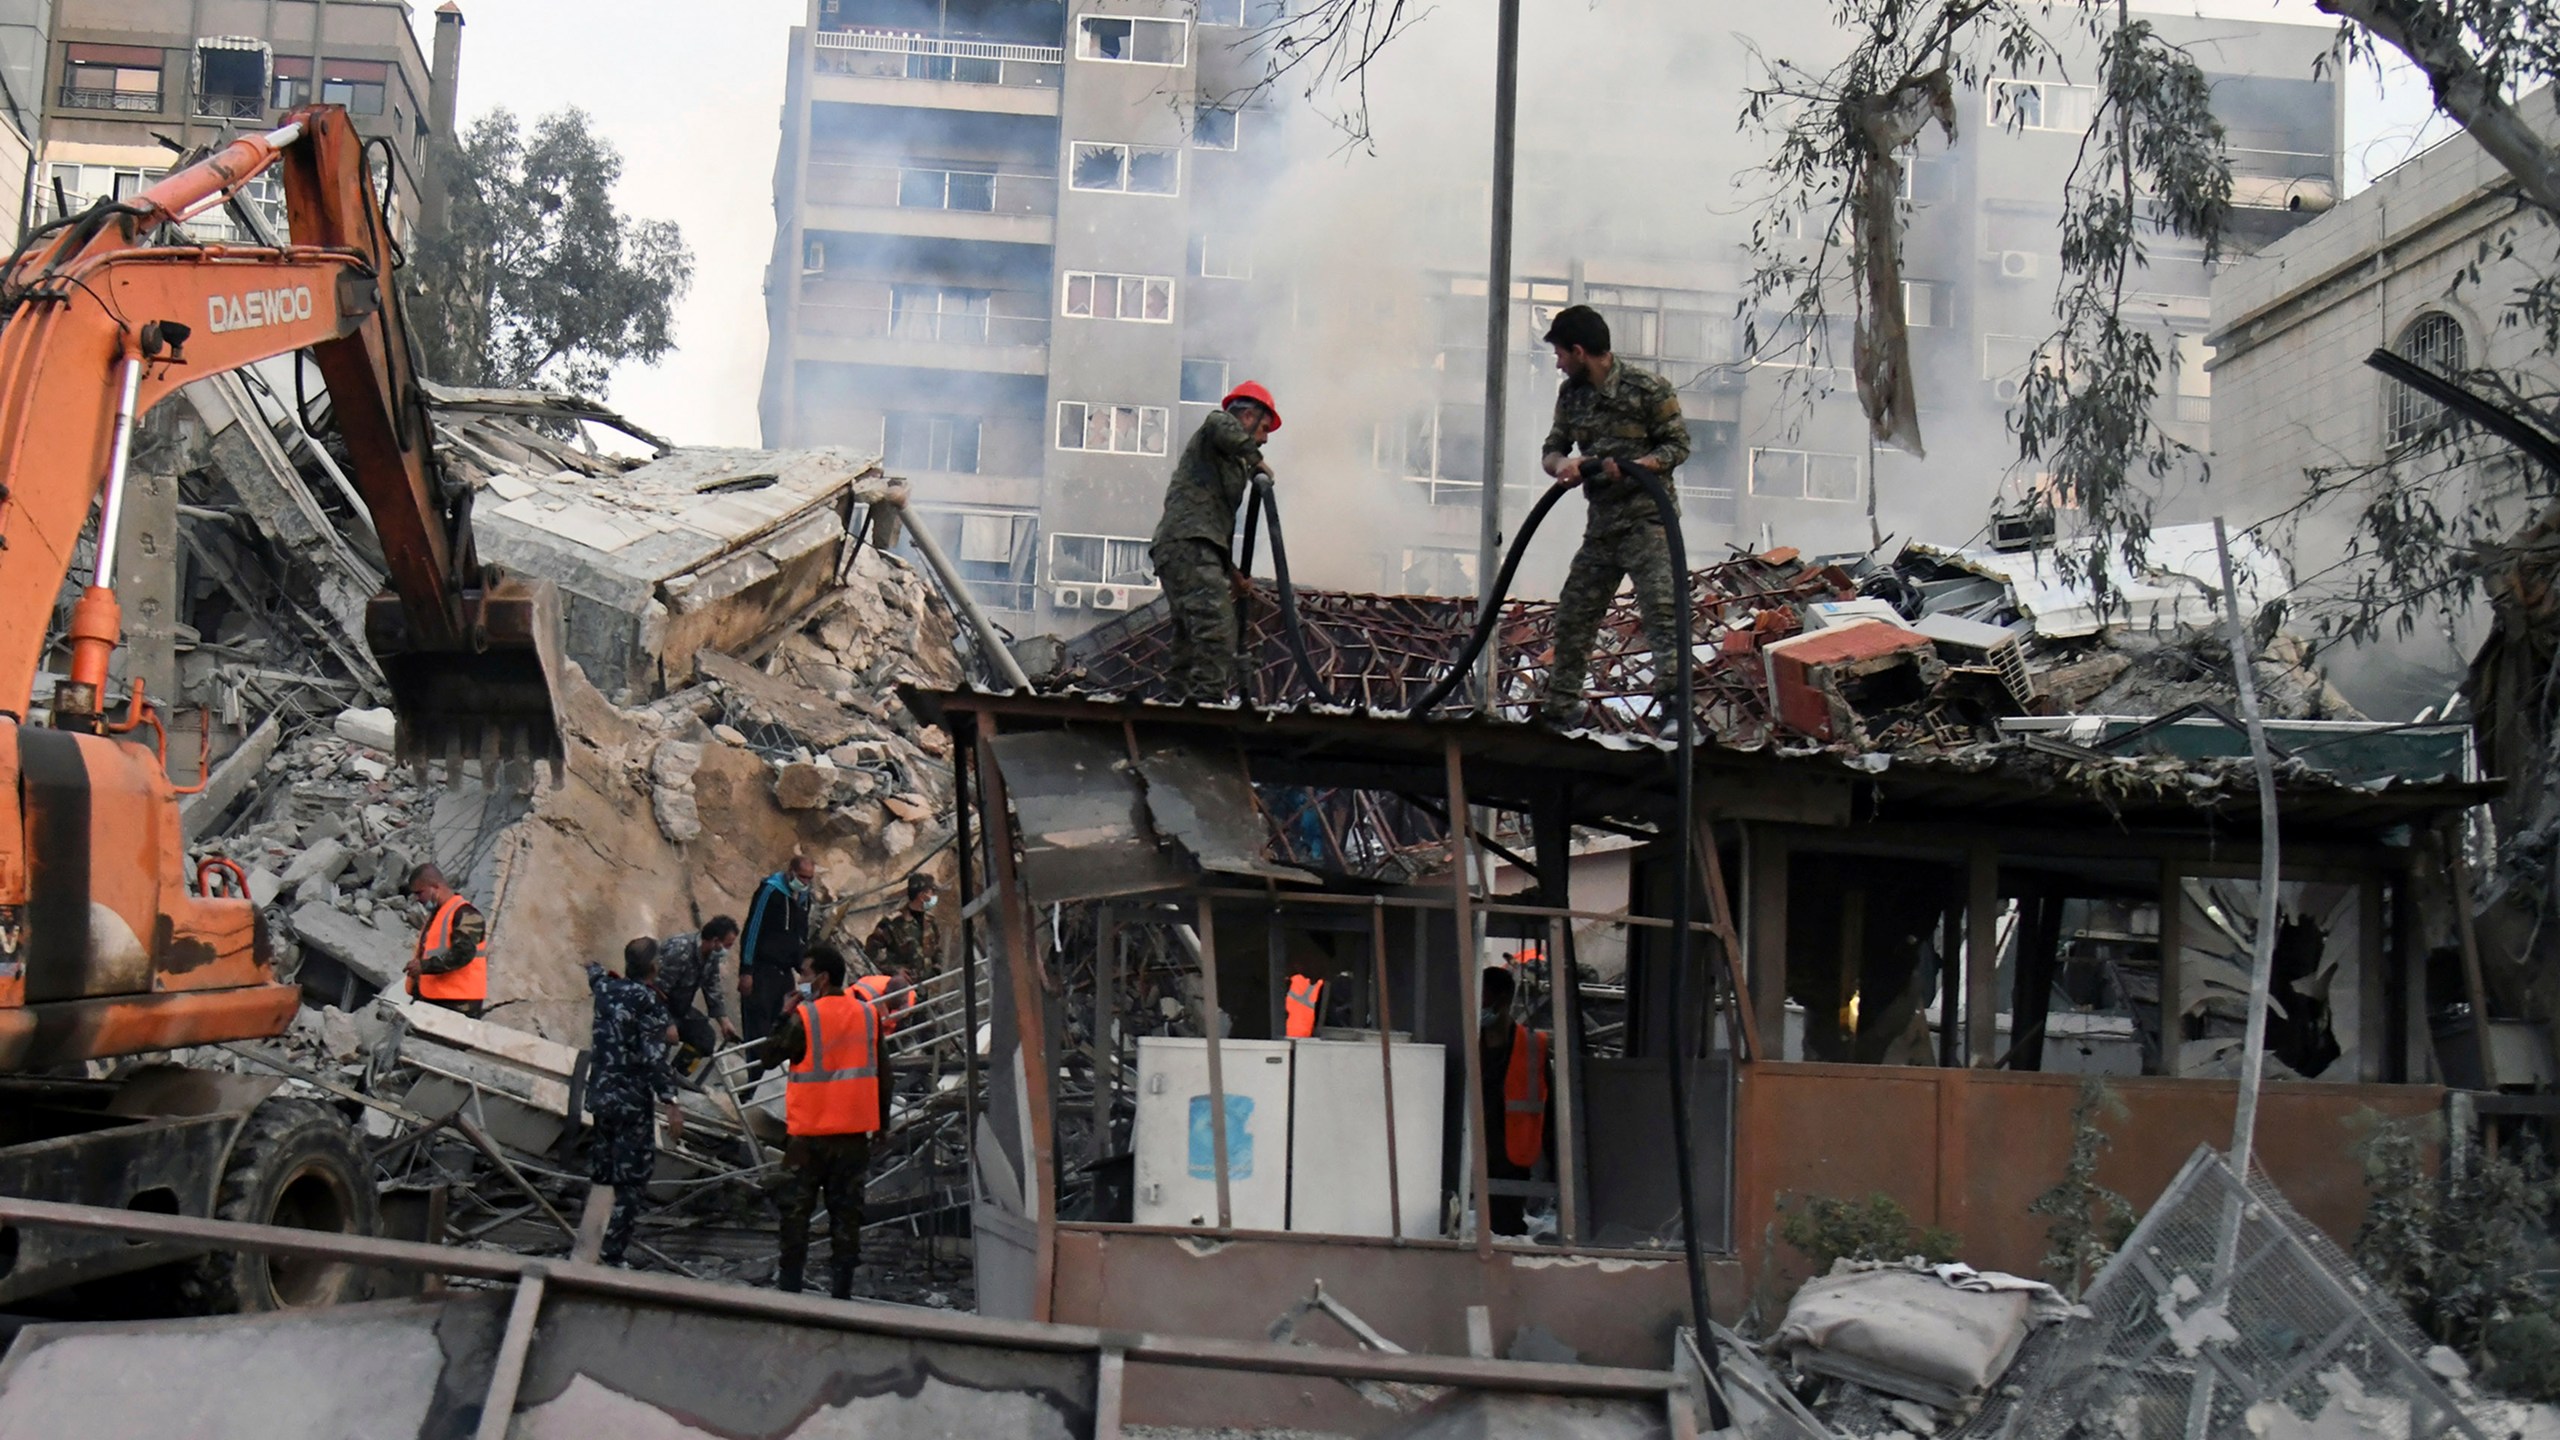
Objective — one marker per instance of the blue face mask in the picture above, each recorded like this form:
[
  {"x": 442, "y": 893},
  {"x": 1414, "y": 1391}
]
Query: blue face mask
[{"x": 798, "y": 885}]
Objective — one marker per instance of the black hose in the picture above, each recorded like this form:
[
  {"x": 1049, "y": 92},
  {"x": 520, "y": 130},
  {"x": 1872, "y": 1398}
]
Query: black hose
[
  {"x": 1493, "y": 610},
  {"x": 1290, "y": 625}
]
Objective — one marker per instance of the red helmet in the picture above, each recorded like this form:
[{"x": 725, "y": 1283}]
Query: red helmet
[{"x": 1252, "y": 390}]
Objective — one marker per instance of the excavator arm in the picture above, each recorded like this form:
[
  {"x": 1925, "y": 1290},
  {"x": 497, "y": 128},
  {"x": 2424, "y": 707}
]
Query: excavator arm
[
  {"x": 105, "y": 949},
  {"x": 100, "y": 325}
]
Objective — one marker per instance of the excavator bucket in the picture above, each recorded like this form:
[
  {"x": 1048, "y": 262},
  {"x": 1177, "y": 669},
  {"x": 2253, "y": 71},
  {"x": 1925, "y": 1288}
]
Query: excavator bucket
[{"x": 491, "y": 699}]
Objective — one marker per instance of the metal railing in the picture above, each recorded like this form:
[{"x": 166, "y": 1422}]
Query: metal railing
[
  {"x": 913, "y": 187},
  {"x": 884, "y": 54},
  {"x": 85, "y": 97},
  {"x": 213, "y": 227},
  {"x": 883, "y": 322},
  {"x": 231, "y": 107}
]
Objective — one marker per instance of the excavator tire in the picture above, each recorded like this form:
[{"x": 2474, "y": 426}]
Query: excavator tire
[{"x": 294, "y": 1164}]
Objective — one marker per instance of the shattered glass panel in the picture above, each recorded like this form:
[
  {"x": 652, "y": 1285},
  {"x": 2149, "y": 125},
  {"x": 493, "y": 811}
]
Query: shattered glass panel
[
  {"x": 1097, "y": 167},
  {"x": 1154, "y": 170}
]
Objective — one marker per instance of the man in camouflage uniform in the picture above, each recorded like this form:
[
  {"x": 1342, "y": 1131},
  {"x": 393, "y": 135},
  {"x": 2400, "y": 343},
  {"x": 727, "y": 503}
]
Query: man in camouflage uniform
[
  {"x": 1192, "y": 549},
  {"x": 689, "y": 966},
  {"x": 1611, "y": 411},
  {"x": 627, "y": 1080},
  {"x": 908, "y": 944}
]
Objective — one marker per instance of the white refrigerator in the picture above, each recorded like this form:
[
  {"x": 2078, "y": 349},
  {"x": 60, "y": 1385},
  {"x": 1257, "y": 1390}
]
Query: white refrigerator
[
  {"x": 1338, "y": 1138},
  {"x": 1176, "y": 1180}
]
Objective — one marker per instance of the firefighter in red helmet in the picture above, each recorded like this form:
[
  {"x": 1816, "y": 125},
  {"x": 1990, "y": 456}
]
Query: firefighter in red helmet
[{"x": 1193, "y": 549}]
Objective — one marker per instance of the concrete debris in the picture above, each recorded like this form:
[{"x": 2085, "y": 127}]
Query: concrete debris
[
  {"x": 376, "y": 729},
  {"x": 1937, "y": 1337}
]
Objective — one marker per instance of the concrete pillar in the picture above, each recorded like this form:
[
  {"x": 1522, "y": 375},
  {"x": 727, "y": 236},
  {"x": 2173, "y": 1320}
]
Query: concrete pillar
[{"x": 444, "y": 89}]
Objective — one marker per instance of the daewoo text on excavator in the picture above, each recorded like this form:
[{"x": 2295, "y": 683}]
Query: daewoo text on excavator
[{"x": 108, "y": 947}]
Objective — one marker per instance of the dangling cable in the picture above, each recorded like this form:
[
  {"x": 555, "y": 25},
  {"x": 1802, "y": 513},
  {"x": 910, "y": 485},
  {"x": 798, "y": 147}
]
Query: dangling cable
[
  {"x": 1290, "y": 624},
  {"x": 1485, "y": 622}
]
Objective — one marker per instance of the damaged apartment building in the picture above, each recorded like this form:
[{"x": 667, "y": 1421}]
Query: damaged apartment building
[{"x": 1021, "y": 248}]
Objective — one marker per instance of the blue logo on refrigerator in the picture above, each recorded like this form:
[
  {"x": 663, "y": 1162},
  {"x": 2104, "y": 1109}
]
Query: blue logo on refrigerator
[{"x": 1204, "y": 1145}]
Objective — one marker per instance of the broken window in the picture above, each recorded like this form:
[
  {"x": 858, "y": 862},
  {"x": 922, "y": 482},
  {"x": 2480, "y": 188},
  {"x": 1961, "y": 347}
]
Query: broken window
[
  {"x": 2043, "y": 105},
  {"x": 2435, "y": 341},
  {"x": 1221, "y": 257},
  {"x": 231, "y": 79},
  {"x": 1095, "y": 296},
  {"x": 1127, "y": 169},
  {"x": 1213, "y": 127},
  {"x": 360, "y": 85},
  {"x": 112, "y": 77},
  {"x": 1119, "y": 429},
  {"x": 1432, "y": 570},
  {"x": 2316, "y": 1022},
  {"x": 931, "y": 312},
  {"x": 1204, "y": 382},
  {"x": 995, "y": 551},
  {"x": 1130, "y": 40},
  {"x": 931, "y": 442},
  {"x": 1798, "y": 342}
]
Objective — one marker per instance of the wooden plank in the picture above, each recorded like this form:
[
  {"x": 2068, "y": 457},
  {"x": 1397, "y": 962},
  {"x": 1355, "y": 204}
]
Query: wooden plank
[
  {"x": 1210, "y": 1016},
  {"x": 506, "y": 1373},
  {"x": 1471, "y": 977}
]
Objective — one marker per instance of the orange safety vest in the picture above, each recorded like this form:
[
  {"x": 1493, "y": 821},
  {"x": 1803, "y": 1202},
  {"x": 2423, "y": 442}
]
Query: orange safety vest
[
  {"x": 469, "y": 983},
  {"x": 1306, "y": 994},
  {"x": 834, "y": 1087},
  {"x": 875, "y": 989},
  {"x": 1524, "y": 1097}
]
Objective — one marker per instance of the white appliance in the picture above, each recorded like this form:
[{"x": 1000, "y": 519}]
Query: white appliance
[
  {"x": 1338, "y": 1138},
  {"x": 1176, "y": 1180}
]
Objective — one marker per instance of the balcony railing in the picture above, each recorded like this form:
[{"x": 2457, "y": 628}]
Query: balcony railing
[
  {"x": 881, "y": 322},
  {"x": 231, "y": 107},
  {"x": 1000, "y": 192},
  {"x": 890, "y": 55},
  {"x": 214, "y": 227},
  {"x": 84, "y": 97}
]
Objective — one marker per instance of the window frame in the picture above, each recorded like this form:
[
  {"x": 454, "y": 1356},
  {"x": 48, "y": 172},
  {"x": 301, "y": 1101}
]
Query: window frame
[
  {"x": 1136, "y": 415},
  {"x": 1085, "y": 30},
  {"x": 1201, "y": 244},
  {"x": 1993, "y": 92},
  {"x": 1857, "y": 470},
  {"x": 942, "y": 432},
  {"x": 1235, "y": 127},
  {"x": 2409, "y": 418},
  {"x": 1136, "y": 569},
  {"x": 1128, "y": 167},
  {"x": 1120, "y": 283},
  {"x": 1226, "y": 378}
]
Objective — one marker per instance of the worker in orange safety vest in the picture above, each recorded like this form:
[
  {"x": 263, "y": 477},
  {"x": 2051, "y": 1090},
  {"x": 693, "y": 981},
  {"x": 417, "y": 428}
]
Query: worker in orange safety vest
[
  {"x": 451, "y": 964},
  {"x": 833, "y": 1104},
  {"x": 891, "y": 997},
  {"x": 1518, "y": 1074},
  {"x": 1304, "y": 1006}
]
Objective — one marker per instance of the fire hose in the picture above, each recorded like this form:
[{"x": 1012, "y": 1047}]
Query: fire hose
[{"x": 1682, "y": 711}]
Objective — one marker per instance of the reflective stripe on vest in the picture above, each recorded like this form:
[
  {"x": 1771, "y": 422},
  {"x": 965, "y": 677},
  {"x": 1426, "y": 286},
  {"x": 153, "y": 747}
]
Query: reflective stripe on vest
[
  {"x": 1524, "y": 1097},
  {"x": 875, "y": 989},
  {"x": 468, "y": 983},
  {"x": 834, "y": 1087},
  {"x": 1306, "y": 996}
]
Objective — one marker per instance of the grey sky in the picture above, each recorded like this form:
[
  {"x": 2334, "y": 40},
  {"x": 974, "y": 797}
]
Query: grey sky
[{"x": 691, "y": 94}]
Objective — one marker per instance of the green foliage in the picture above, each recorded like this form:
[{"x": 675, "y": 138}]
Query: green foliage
[
  {"x": 2090, "y": 1221},
  {"x": 1825, "y": 1230},
  {"x": 2461, "y": 1251},
  {"x": 536, "y": 277}
]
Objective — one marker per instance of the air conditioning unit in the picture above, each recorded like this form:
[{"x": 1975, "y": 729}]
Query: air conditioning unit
[
  {"x": 1110, "y": 597},
  {"x": 2018, "y": 265},
  {"x": 2005, "y": 389},
  {"x": 1067, "y": 597}
]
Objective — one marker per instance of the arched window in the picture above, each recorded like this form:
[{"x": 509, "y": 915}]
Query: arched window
[{"x": 2435, "y": 341}]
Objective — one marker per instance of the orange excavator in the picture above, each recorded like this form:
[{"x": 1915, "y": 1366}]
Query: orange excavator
[{"x": 108, "y": 946}]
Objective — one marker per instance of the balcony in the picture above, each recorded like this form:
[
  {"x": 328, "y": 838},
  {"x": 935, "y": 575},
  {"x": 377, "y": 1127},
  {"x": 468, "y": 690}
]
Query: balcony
[
  {"x": 880, "y": 67},
  {"x": 231, "y": 107},
  {"x": 923, "y": 339},
  {"x": 1008, "y": 206},
  {"x": 88, "y": 97}
]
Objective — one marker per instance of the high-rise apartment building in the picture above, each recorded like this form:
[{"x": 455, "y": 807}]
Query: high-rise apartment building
[
  {"x": 1017, "y": 252},
  {"x": 118, "y": 78}
]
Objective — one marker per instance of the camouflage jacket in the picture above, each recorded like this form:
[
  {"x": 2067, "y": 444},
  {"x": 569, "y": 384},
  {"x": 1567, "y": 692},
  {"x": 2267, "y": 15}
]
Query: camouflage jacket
[
  {"x": 627, "y": 1061},
  {"x": 1632, "y": 415},
  {"x": 1209, "y": 484},
  {"x": 685, "y": 971},
  {"x": 906, "y": 941}
]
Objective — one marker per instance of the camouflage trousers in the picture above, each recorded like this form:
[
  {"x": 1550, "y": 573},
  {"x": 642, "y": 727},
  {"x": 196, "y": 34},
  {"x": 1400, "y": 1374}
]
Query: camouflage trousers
[
  {"x": 1196, "y": 588},
  {"x": 1637, "y": 551},
  {"x": 622, "y": 1151},
  {"x": 829, "y": 1167}
]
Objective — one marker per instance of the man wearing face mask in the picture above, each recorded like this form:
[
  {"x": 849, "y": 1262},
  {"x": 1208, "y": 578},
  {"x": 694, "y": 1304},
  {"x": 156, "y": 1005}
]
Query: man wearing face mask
[
  {"x": 689, "y": 966},
  {"x": 777, "y": 936},
  {"x": 1518, "y": 1072},
  {"x": 907, "y": 945}
]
